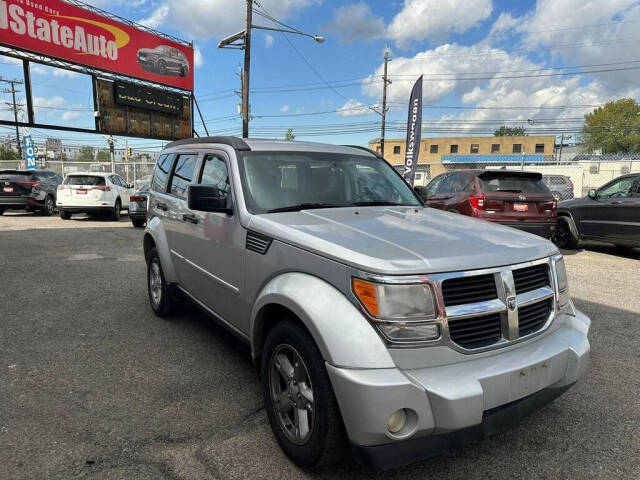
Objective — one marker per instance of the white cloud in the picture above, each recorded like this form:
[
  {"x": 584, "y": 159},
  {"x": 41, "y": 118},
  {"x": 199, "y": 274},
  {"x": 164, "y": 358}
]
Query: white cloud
[
  {"x": 420, "y": 19},
  {"x": 157, "y": 17},
  {"x": 70, "y": 115},
  {"x": 284, "y": 108},
  {"x": 204, "y": 19},
  {"x": 56, "y": 72},
  {"x": 354, "y": 108},
  {"x": 356, "y": 22},
  {"x": 198, "y": 59},
  {"x": 268, "y": 40}
]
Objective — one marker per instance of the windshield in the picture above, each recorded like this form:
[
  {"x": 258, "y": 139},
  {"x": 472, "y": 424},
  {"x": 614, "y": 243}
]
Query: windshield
[
  {"x": 515, "y": 184},
  {"x": 277, "y": 181}
]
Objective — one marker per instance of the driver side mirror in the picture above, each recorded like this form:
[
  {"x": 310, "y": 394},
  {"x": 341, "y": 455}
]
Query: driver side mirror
[
  {"x": 421, "y": 192},
  {"x": 207, "y": 198},
  {"x": 593, "y": 194}
]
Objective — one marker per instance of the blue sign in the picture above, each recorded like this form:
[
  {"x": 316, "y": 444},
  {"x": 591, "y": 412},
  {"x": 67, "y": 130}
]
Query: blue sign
[
  {"x": 475, "y": 158},
  {"x": 29, "y": 151}
]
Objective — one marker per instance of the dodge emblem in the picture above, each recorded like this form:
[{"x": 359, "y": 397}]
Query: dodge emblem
[{"x": 511, "y": 303}]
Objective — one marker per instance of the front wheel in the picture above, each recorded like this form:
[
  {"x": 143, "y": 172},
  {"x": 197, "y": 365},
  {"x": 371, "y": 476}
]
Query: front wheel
[
  {"x": 300, "y": 403},
  {"x": 564, "y": 236},
  {"x": 162, "y": 301},
  {"x": 65, "y": 215}
]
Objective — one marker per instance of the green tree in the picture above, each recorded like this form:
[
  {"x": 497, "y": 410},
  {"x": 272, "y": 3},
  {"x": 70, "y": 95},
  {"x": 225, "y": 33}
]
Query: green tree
[
  {"x": 85, "y": 154},
  {"x": 289, "y": 136},
  {"x": 505, "y": 131},
  {"x": 8, "y": 153},
  {"x": 103, "y": 156},
  {"x": 614, "y": 127}
]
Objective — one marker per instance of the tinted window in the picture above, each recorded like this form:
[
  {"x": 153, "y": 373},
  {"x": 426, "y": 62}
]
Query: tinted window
[
  {"x": 83, "y": 180},
  {"x": 435, "y": 183},
  {"x": 620, "y": 188},
  {"x": 182, "y": 174},
  {"x": 635, "y": 188},
  {"x": 214, "y": 172},
  {"x": 511, "y": 183},
  {"x": 455, "y": 183},
  {"x": 161, "y": 173}
]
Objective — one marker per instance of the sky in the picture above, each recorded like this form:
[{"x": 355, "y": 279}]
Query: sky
[{"x": 541, "y": 64}]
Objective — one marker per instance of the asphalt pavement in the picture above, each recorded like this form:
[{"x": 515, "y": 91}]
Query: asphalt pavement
[{"x": 93, "y": 385}]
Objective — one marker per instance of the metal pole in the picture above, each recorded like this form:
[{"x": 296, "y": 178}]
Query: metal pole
[
  {"x": 385, "y": 82},
  {"x": 15, "y": 115},
  {"x": 560, "y": 152},
  {"x": 247, "y": 68},
  {"x": 113, "y": 153},
  {"x": 199, "y": 113}
]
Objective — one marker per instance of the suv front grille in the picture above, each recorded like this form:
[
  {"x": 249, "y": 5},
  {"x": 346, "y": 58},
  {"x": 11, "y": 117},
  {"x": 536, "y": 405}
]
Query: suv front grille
[
  {"x": 476, "y": 332},
  {"x": 530, "y": 278},
  {"x": 458, "y": 291},
  {"x": 532, "y": 317}
]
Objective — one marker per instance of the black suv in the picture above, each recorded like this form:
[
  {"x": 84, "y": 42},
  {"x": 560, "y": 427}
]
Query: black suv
[
  {"x": 609, "y": 214},
  {"x": 29, "y": 190}
]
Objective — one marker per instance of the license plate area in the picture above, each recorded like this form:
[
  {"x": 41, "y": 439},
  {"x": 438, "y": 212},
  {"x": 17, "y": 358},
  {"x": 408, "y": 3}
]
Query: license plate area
[
  {"x": 528, "y": 380},
  {"x": 7, "y": 189},
  {"x": 520, "y": 207},
  {"x": 81, "y": 191}
]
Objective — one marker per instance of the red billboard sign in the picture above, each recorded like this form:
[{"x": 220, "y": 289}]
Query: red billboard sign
[{"x": 60, "y": 30}]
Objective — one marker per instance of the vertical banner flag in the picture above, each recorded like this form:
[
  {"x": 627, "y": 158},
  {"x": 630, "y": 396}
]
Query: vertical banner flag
[
  {"x": 414, "y": 127},
  {"x": 29, "y": 150}
]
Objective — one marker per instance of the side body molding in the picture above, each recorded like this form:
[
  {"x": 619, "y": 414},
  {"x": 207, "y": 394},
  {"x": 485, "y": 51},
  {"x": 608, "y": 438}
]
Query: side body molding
[
  {"x": 156, "y": 230},
  {"x": 345, "y": 338}
]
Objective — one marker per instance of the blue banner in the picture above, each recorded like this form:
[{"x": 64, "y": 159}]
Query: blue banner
[{"x": 29, "y": 150}]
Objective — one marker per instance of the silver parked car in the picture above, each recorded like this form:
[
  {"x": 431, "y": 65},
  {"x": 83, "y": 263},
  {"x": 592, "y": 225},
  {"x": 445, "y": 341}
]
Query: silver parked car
[{"x": 374, "y": 322}]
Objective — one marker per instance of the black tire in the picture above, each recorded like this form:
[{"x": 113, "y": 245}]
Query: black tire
[
  {"x": 327, "y": 442},
  {"x": 49, "y": 206},
  {"x": 183, "y": 72},
  {"x": 115, "y": 213},
  {"x": 1, "y": 211},
  {"x": 162, "y": 67},
  {"x": 565, "y": 236},
  {"x": 137, "y": 222},
  {"x": 164, "y": 304},
  {"x": 64, "y": 215}
]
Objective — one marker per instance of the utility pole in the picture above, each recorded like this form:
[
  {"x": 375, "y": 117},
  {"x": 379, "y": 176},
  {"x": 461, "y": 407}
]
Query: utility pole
[
  {"x": 247, "y": 68},
  {"x": 385, "y": 82},
  {"x": 14, "y": 106},
  {"x": 560, "y": 153}
]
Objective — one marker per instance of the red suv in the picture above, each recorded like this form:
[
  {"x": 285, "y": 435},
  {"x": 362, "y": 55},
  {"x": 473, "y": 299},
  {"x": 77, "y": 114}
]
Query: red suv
[{"x": 513, "y": 198}]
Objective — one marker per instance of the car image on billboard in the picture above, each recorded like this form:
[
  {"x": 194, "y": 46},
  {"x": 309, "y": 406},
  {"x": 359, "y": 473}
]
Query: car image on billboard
[{"x": 163, "y": 60}]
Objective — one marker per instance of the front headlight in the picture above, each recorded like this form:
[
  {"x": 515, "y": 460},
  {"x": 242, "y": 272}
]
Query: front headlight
[
  {"x": 562, "y": 282},
  {"x": 402, "y": 312}
]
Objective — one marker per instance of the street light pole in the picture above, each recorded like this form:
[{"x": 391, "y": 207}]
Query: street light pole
[
  {"x": 247, "y": 68},
  {"x": 385, "y": 82}
]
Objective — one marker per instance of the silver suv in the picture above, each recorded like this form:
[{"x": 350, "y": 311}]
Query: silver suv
[{"x": 375, "y": 323}]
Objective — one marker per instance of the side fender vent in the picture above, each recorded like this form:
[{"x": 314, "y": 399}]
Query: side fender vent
[{"x": 258, "y": 243}]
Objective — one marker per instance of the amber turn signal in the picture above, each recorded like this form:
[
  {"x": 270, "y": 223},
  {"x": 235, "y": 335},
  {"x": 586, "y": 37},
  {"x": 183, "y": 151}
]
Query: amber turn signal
[{"x": 366, "y": 293}]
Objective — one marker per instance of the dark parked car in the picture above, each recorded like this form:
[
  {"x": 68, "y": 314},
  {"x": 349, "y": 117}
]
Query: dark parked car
[
  {"x": 164, "y": 60},
  {"x": 513, "y": 198},
  {"x": 31, "y": 190},
  {"x": 138, "y": 206},
  {"x": 609, "y": 214},
  {"x": 560, "y": 185}
]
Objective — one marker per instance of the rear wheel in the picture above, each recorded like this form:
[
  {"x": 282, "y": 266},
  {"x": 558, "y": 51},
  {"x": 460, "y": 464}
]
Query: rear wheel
[
  {"x": 65, "y": 215},
  {"x": 564, "y": 236},
  {"x": 160, "y": 297},
  {"x": 115, "y": 213},
  {"x": 49, "y": 206},
  {"x": 300, "y": 403},
  {"x": 1, "y": 211},
  {"x": 162, "y": 67}
]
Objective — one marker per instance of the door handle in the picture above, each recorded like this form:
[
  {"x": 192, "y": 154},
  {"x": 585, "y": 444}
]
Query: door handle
[
  {"x": 161, "y": 206},
  {"x": 187, "y": 217}
]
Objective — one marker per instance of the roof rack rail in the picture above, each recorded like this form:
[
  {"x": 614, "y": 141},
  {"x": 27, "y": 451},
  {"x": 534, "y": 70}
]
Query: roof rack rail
[
  {"x": 235, "y": 142},
  {"x": 375, "y": 154}
]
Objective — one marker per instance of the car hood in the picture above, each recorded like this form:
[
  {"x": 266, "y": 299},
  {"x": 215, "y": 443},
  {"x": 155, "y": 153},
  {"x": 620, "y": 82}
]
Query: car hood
[{"x": 402, "y": 240}]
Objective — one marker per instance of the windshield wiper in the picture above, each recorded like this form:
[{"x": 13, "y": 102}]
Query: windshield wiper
[
  {"x": 302, "y": 206},
  {"x": 379, "y": 203}
]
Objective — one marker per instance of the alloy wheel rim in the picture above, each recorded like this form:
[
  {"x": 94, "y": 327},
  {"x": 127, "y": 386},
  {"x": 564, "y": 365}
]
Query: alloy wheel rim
[
  {"x": 155, "y": 283},
  {"x": 49, "y": 205},
  {"x": 291, "y": 394}
]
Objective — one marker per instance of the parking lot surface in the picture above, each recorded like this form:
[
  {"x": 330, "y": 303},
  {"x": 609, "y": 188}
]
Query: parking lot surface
[{"x": 93, "y": 385}]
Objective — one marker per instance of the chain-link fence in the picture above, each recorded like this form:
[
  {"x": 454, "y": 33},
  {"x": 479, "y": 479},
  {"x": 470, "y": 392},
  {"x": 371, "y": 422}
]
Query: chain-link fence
[
  {"x": 564, "y": 179},
  {"x": 133, "y": 172}
]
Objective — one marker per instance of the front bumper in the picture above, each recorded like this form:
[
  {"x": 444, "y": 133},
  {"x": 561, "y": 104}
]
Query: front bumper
[
  {"x": 451, "y": 402},
  {"x": 543, "y": 229}
]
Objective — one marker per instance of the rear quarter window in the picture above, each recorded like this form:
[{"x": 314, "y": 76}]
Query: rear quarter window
[{"x": 505, "y": 183}]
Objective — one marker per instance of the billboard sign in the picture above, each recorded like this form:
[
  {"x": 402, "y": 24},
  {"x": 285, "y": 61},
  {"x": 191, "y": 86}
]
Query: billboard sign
[
  {"x": 67, "y": 32},
  {"x": 29, "y": 149},
  {"x": 148, "y": 98}
]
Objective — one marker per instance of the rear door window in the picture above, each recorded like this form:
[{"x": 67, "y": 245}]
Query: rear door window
[
  {"x": 513, "y": 184},
  {"x": 161, "y": 173},
  {"x": 183, "y": 174},
  {"x": 85, "y": 180}
]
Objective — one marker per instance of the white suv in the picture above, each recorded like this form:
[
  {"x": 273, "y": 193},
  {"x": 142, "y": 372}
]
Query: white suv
[{"x": 93, "y": 192}]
